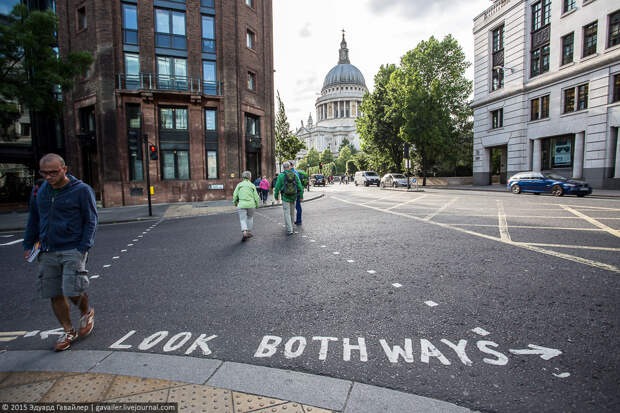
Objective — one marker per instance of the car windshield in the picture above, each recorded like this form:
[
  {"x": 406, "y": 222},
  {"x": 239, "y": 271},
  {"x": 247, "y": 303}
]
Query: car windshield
[
  {"x": 371, "y": 174},
  {"x": 555, "y": 176},
  {"x": 398, "y": 176},
  {"x": 318, "y": 176}
]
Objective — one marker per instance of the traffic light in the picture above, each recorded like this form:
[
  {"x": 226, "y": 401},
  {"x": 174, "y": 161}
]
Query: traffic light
[
  {"x": 153, "y": 152},
  {"x": 406, "y": 150}
]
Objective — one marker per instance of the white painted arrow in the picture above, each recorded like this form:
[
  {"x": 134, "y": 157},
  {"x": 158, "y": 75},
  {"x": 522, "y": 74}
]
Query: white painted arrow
[
  {"x": 55, "y": 332},
  {"x": 544, "y": 352}
]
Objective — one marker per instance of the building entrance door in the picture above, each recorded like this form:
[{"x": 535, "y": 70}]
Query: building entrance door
[
  {"x": 252, "y": 164},
  {"x": 499, "y": 164}
]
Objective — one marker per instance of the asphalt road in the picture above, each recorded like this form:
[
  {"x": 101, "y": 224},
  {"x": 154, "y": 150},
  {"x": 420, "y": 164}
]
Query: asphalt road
[{"x": 492, "y": 301}]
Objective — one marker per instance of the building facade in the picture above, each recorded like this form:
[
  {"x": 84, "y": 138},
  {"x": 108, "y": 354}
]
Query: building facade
[
  {"x": 547, "y": 89},
  {"x": 337, "y": 108},
  {"x": 192, "y": 77}
]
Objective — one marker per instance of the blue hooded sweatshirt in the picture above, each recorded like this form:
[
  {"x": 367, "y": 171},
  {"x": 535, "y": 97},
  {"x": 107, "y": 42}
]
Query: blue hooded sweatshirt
[{"x": 64, "y": 221}]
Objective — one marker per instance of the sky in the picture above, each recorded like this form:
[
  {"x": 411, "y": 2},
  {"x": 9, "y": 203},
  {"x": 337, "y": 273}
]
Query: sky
[{"x": 307, "y": 37}]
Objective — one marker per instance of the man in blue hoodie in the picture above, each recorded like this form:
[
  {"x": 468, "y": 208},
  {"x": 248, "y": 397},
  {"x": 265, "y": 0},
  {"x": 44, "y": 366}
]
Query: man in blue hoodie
[{"x": 62, "y": 219}]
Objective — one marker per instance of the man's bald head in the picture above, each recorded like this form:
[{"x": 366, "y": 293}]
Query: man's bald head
[{"x": 52, "y": 158}]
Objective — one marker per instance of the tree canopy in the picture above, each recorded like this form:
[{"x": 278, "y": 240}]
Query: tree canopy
[
  {"x": 30, "y": 69},
  {"x": 287, "y": 144}
]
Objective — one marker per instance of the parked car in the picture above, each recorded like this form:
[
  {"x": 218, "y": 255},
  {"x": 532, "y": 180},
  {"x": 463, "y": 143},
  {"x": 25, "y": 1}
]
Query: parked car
[
  {"x": 393, "y": 181},
  {"x": 366, "y": 178},
  {"x": 539, "y": 182},
  {"x": 318, "y": 180}
]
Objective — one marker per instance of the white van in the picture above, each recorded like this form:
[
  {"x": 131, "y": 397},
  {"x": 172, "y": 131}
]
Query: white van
[{"x": 366, "y": 178}]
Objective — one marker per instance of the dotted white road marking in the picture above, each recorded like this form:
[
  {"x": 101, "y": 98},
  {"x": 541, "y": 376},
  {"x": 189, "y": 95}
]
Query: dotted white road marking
[
  {"x": 312, "y": 240},
  {"x": 140, "y": 236},
  {"x": 480, "y": 331},
  {"x": 116, "y": 257},
  {"x": 135, "y": 240},
  {"x": 562, "y": 375},
  {"x": 32, "y": 333},
  {"x": 371, "y": 271},
  {"x": 349, "y": 261},
  {"x": 323, "y": 246},
  {"x": 397, "y": 285},
  {"x": 107, "y": 265},
  {"x": 123, "y": 250},
  {"x": 304, "y": 236},
  {"x": 92, "y": 277},
  {"x": 336, "y": 253},
  {"x": 431, "y": 303},
  {"x": 130, "y": 245}
]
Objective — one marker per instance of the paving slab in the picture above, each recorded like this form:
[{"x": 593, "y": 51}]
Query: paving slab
[
  {"x": 44, "y": 360},
  {"x": 304, "y": 388},
  {"x": 156, "y": 366},
  {"x": 366, "y": 398}
]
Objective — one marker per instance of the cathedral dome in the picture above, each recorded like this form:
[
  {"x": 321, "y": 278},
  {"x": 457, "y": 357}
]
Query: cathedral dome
[{"x": 344, "y": 72}]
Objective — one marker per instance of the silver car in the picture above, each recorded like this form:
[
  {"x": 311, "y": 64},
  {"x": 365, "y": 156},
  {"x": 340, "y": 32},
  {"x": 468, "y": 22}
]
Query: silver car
[{"x": 393, "y": 181}]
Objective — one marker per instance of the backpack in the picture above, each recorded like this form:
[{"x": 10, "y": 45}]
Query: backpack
[
  {"x": 303, "y": 178},
  {"x": 290, "y": 184}
]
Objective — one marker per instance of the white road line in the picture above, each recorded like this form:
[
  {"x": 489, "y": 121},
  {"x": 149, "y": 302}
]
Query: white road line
[
  {"x": 12, "y": 242},
  {"x": 7, "y": 236},
  {"x": 578, "y": 247},
  {"x": 568, "y": 257},
  {"x": 107, "y": 265},
  {"x": 592, "y": 221},
  {"x": 431, "y": 303},
  {"x": 480, "y": 331},
  {"x": 371, "y": 272},
  {"x": 397, "y": 285},
  {"x": 350, "y": 261},
  {"x": 323, "y": 246},
  {"x": 377, "y": 199},
  {"x": 408, "y": 202},
  {"x": 32, "y": 333},
  {"x": 135, "y": 240},
  {"x": 503, "y": 224},
  {"x": 123, "y": 250},
  {"x": 529, "y": 227},
  {"x": 130, "y": 245},
  {"x": 336, "y": 253},
  {"x": 312, "y": 240},
  {"x": 446, "y": 205},
  {"x": 93, "y": 276},
  {"x": 115, "y": 257}
]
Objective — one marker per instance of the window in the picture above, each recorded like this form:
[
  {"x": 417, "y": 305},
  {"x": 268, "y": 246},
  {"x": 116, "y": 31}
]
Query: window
[
  {"x": 568, "y": 5},
  {"x": 207, "y": 3},
  {"x": 208, "y": 34},
  {"x": 497, "y": 117},
  {"x": 613, "y": 37},
  {"x": 249, "y": 3},
  {"x": 175, "y": 164},
  {"x": 557, "y": 152},
  {"x": 567, "y": 49},
  {"x": 576, "y": 98},
  {"x": 589, "y": 39},
  {"x": 250, "y": 39},
  {"x": 616, "y": 93},
  {"x": 541, "y": 33},
  {"x": 498, "y": 59},
  {"x": 209, "y": 77},
  {"x": 211, "y": 142},
  {"x": 130, "y": 24},
  {"x": 134, "y": 142},
  {"x": 251, "y": 81},
  {"x": 170, "y": 29},
  {"x": 132, "y": 71},
  {"x": 252, "y": 126},
  {"x": 211, "y": 164},
  {"x": 173, "y": 118},
  {"x": 210, "y": 120},
  {"x": 81, "y": 18},
  {"x": 539, "y": 108},
  {"x": 582, "y": 97},
  {"x": 171, "y": 73}
]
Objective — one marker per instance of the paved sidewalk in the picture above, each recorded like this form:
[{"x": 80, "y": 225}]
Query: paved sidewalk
[
  {"x": 198, "y": 385},
  {"x": 16, "y": 221}
]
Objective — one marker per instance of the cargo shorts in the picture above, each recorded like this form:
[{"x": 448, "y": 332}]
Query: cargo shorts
[{"x": 62, "y": 273}]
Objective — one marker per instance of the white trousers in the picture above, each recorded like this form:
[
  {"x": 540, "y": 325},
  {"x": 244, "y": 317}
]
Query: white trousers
[{"x": 246, "y": 218}]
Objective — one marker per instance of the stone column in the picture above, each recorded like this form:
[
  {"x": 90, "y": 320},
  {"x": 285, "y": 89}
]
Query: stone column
[
  {"x": 578, "y": 155},
  {"x": 617, "y": 170},
  {"x": 537, "y": 156}
]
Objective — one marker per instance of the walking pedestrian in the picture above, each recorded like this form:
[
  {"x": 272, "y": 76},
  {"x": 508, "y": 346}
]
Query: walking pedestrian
[
  {"x": 264, "y": 187},
  {"x": 246, "y": 200},
  {"x": 298, "y": 200},
  {"x": 62, "y": 221},
  {"x": 289, "y": 184}
]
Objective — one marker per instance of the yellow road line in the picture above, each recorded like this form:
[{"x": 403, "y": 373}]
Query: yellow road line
[
  {"x": 568, "y": 257},
  {"x": 446, "y": 205},
  {"x": 12, "y": 333},
  {"x": 503, "y": 224},
  {"x": 593, "y": 221},
  {"x": 4, "y": 339}
]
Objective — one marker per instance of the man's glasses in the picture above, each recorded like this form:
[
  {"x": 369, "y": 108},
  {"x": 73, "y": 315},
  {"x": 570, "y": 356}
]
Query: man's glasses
[{"x": 50, "y": 173}]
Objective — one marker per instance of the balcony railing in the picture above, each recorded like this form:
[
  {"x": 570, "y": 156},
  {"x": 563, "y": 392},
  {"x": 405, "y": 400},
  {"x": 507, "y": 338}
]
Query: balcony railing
[{"x": 151, "y": 81}]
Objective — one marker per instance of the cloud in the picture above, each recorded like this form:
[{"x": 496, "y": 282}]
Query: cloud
[
  {"x": 413, "y": 8},
  {"x": 305, "y": 31}
]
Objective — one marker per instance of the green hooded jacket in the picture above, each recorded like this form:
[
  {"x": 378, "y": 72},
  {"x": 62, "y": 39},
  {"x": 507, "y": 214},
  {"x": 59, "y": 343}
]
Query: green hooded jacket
[
  {"x": 245, "y": 195},
  {"x": 277, "y": 190}
]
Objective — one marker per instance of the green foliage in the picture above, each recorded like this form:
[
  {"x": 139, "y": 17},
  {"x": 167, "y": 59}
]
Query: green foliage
[
  {"x": 431, "y": 92},
  {"x": 327, "y": 156},
  {"x": 302, "y": 165},
  {"x": 313, "y": 157},
  {"x": 30, "y": 71},
  {"x": 351, "y": 167},
  {"x": 287, "y": 144}
]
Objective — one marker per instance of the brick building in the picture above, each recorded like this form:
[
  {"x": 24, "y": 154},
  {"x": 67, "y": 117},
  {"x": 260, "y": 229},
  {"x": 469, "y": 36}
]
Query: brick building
[{"x": 194, "y": 76}]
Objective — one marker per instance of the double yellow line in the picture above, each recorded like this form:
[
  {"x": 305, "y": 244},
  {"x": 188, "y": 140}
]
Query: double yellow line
[{"x": 11, "y": 335}]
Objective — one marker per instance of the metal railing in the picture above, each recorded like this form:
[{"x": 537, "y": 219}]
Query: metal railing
[{"x": 152, "y": 81}]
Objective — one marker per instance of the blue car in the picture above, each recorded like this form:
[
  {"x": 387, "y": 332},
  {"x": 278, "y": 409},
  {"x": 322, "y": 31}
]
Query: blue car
[{"x": 538, "y": 182}]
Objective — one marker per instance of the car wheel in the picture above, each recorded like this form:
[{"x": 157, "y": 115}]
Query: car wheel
[
  {"x": 365, "y": 183},
  {"x": 516, "y": 189},
  {"x": 536, "y": 193},
  {"x": 557, "y": 190},
  {"x": 581, "y": 195}
]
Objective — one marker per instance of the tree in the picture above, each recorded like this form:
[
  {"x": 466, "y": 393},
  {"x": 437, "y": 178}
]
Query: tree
[
  {"x": 287, "y": 144},
  {"x": 380, "y": 123},
  {"x": 430, "y": 91},
  {"x": 302, "y": 165},
  {"x": 313, "y": 157},
  {"x": 30, "y": 70},
  {"x": 351, "y": 167},
  {"x": 327, "y": 156}
]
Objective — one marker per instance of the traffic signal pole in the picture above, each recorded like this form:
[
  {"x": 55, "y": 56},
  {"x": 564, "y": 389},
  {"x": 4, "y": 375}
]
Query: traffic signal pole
[{"x": 147, "y": 160}]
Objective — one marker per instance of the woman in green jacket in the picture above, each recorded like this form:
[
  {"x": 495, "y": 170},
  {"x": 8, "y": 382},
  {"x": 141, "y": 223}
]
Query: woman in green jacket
[{"x": 246, "y": 199}]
